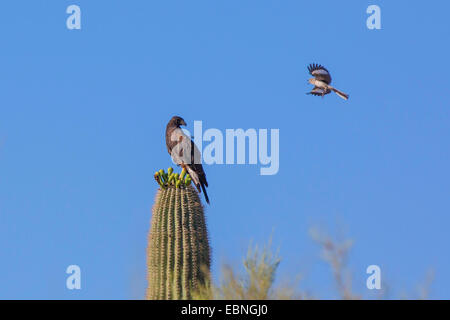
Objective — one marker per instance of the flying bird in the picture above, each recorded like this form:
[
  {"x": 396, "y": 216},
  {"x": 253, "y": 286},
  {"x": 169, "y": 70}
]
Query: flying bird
[
  {"x": 185, "y": 153},
  {"x": 321, "y": 82}
]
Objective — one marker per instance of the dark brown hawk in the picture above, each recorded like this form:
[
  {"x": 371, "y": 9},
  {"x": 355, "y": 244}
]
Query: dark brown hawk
[{"x": 185, "y": 153}]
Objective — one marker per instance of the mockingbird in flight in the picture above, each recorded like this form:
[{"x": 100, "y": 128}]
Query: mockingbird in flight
[{"x": 321, "y": 82}]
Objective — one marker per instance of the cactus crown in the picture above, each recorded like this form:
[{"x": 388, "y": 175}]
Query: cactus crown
[{"x": 170, "y": 178}]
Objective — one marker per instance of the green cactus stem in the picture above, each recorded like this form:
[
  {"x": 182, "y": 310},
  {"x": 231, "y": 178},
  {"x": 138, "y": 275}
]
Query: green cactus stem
[{"x": 178, "y": 252}]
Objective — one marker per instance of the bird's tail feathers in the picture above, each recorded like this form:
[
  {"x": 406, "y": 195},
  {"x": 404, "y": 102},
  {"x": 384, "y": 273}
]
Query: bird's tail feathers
[
  {"x": 198, "y": 184},
  {"x": 340, "y": 93},
  {"x": 205, "y": 193}
]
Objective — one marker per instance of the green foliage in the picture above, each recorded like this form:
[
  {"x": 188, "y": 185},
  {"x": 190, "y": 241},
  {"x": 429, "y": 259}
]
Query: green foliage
[{"x": 256, "y": 282}]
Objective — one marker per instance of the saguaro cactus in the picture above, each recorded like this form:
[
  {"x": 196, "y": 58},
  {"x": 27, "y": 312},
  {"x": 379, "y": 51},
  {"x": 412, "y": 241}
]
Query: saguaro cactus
[{"x": 178, "y": 253}]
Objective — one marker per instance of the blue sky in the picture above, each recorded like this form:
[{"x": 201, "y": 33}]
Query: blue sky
[{"x": 82, "y": 122}]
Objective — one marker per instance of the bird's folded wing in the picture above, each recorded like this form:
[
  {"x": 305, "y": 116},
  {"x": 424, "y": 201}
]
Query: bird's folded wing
[{"x": 179, "y": 146}]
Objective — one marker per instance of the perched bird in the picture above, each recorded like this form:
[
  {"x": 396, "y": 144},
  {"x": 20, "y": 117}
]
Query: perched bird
[
  {"x": 321, "y": 82},
  {"x": 185, "y": 153}
]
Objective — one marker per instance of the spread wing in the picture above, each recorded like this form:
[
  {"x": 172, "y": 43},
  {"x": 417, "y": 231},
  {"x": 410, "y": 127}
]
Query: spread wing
[
  {"x": 320, "y": 73},
  {"x": 316, "y": 91}
]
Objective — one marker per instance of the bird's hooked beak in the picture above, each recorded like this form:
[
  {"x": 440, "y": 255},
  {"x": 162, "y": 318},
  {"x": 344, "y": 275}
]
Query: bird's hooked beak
[{"x": 183, "y": 123}]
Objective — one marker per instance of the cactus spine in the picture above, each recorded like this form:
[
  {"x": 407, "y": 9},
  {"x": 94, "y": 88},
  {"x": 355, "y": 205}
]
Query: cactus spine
[{"x": 178, "y": 253}]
